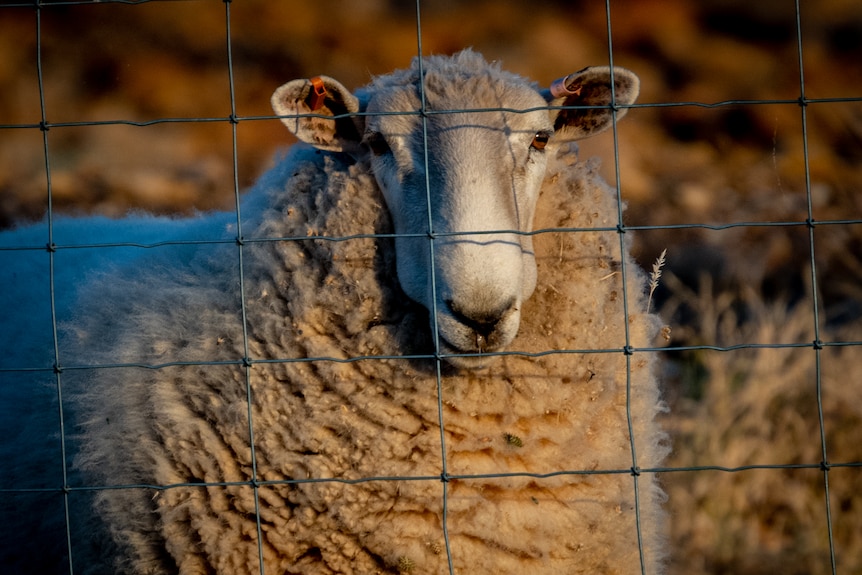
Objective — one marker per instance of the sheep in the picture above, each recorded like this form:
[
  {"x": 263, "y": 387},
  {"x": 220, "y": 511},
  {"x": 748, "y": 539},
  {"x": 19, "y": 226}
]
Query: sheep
[{"x": 350, "y": 381}]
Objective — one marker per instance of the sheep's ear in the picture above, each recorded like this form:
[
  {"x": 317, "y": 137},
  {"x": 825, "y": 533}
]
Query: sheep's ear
[
  {"x": 327, "y": 99},
  {"x": 589, "y": 87}
]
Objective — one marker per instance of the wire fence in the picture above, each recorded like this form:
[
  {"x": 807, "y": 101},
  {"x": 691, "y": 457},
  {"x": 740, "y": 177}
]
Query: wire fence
[{"x": 810, "y": 224}]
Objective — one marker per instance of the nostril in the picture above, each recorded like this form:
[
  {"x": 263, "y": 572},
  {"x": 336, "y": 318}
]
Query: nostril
[{"x": 482, "y": 322}]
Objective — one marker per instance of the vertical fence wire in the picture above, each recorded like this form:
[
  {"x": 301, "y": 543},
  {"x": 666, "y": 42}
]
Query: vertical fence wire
[
  {"x": 438, "y": 360},
  {"x": 247, "y": 366},
  {"x": 817, "y": 346},
  {"x": 628, "y": 349},
  {"x": 51, "y": 252},
  {"x": 247, "y": 362}
]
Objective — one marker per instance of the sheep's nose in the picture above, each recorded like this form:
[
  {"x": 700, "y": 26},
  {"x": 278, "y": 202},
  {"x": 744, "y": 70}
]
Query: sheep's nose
[{"x": 483, "y": 322}]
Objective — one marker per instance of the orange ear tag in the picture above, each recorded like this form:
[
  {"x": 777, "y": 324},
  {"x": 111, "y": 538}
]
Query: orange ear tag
[
  {"x": 317, "y": 94},
  {"x": 560, "y": 88}
]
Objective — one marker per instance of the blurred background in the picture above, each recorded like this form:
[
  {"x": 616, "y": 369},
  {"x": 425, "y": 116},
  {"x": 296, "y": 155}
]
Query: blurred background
[{"x": 678, "y": 165}]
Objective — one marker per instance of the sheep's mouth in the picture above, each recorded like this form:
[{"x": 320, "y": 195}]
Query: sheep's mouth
[
  {"x": 466, "y": 358},
  {"x": 473, "y": 344}
]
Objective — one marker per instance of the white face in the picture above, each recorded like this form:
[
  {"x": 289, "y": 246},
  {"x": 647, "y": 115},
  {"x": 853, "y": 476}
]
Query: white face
[
  {"x": 482, "y": 174},
  {"x": 461, "y": 186}
]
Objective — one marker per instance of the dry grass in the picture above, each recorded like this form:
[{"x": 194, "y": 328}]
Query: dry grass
[
  {"x": 759, "y": 406},
  {"x": 655, "y": 276}
]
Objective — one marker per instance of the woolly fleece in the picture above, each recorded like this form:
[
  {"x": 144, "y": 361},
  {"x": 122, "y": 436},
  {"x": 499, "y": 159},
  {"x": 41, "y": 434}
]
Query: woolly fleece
[
  {"x": 226, "y": 323},
  {"x": 315, "y": 420}
]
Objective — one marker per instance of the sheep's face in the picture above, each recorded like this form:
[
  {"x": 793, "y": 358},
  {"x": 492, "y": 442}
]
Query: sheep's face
[
  {"x": 461, "y": 181},
  {"x": 473, "y": 192}
]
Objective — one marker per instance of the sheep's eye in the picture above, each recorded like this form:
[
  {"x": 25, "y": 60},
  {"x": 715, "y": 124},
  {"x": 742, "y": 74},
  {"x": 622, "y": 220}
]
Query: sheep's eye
[
  {"x": 376, "y": 143},
  {"x": 540, "y": 140}
]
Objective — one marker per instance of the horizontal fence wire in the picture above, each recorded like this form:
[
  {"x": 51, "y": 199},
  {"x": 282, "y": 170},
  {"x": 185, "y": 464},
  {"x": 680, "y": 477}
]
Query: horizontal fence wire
[
  {"x": 268, "y": 117},
  {"x": 247, "y": 362}
]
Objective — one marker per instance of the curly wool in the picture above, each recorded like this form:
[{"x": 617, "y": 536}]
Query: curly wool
[{"x": 360, "y": 422}]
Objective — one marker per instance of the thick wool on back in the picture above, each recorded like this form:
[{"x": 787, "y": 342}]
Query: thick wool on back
[{"x": 191, "y": 422}]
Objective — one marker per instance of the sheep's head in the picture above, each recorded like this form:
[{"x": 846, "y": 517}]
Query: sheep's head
[{"x": 461, "y": 186}]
